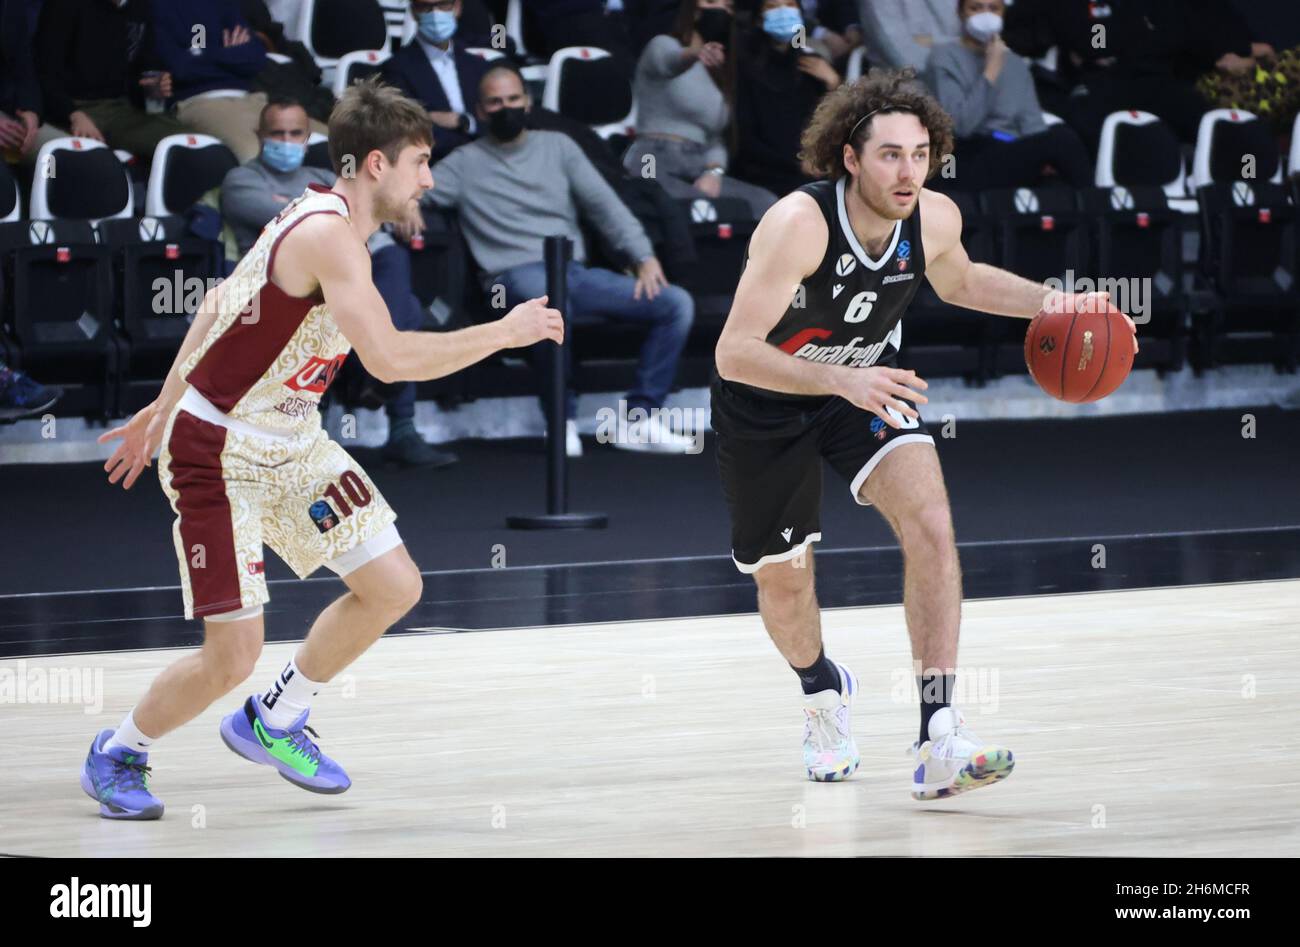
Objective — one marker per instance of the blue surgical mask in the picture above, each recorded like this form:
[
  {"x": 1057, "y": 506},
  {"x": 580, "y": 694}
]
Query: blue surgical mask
[
  {"x": 436, "y": 26},
  {"x": 782, "y": 23},
  {"x": 283, "y": 156}
]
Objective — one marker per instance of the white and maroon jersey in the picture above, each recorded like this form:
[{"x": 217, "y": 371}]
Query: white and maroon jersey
[{"x": 269, "y": 356}]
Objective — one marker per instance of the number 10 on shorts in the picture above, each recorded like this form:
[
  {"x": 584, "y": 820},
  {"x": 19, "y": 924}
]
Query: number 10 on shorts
[{"x": 323, "y": 514}]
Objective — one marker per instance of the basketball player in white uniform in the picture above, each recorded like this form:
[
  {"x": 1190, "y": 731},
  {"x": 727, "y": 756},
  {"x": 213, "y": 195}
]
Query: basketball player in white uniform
[
  {"x": 806, "y": 372},
  {"x": 245, "y": 462}
]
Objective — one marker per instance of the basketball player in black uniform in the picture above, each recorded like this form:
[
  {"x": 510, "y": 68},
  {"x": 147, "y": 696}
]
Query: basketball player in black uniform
[{"x": 806, "y": 370}]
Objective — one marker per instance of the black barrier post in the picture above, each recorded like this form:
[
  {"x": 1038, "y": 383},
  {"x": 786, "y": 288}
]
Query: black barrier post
[{"x": 557, "y": 251}]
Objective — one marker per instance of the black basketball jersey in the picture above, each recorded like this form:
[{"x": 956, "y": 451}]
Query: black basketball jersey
[{"x": 847, "y": 312}]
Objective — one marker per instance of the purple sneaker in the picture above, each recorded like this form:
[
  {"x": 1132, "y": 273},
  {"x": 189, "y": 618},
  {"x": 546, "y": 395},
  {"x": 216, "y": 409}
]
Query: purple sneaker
[
  {"x": 294, "y": 754},
  {"x": 118, "y": 780}
]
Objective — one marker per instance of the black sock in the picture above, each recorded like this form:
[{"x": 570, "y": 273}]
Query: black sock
[
  {"x": 821, "y": 675},
  {"x": 936, "y": 693}
]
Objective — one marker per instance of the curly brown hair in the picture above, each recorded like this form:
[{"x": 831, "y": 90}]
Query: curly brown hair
[{"x": 881, "y": 91}]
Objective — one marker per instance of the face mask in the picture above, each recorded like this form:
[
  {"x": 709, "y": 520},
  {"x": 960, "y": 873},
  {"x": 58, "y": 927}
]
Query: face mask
[
  {"x": 714, "y": 26},
  {"x": 283, "y": 156},
  {"x": 436, "y": 26},
  {"x": 982, "y": 27},
  {"x": 506, "y": 124},
  {"x": 782, "y": 23}
]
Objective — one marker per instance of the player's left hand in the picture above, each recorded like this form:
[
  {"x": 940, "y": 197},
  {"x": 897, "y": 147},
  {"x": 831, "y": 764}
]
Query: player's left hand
[
  {"x": 1095, "y": 302},
  {"x": 140, "y": 438},
  {"x": 650, "y": 279}
]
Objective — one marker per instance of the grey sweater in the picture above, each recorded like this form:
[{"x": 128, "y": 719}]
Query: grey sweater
[
  {"x": 956, "y": 75},
  {"x": 889, "y": 28},
  {"x": 674, "y": 99},
  {"x": 253, "y": 193},
  {"x": 510, "y": 196}
]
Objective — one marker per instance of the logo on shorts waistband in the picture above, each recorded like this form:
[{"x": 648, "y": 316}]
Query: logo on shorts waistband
[{"x": 323, "y": 515}]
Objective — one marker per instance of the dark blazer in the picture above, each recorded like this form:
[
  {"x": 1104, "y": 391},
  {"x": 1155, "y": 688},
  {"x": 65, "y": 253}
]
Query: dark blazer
[{"x": 409, "y": 70}]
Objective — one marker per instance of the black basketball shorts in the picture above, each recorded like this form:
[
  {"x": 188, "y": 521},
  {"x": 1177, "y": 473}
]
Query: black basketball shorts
[{"x": 773, "y": 485}]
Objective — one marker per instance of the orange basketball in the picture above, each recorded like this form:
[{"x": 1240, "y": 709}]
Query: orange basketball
[{"x": 1079, "y": 356}]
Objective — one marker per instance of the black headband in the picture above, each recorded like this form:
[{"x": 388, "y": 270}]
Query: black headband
[{"x": 884, "y": 108}]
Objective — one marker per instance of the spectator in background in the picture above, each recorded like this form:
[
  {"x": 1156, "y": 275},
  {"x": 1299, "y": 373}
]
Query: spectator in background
[
  {"x": 901, "y": 33},
  {"x": 1139, "y": 54},
  {"x": 21, "y": 396},
  {"x": 1002, "y": 140},
  {"x": 684, "y": 85},
  {"x": 781, "y": 82},
  {"x": 91, "y": 57},
  {"x": 512, "y": 188},
  {"x": 435, "y": 71},
  {"x": 300, "y": 78},
  {"x": 21, "y": 109},
  {"x": 213, "y": 58},
  {"x": 835, "y": 25},
  {"x": 256, "y": 191}
]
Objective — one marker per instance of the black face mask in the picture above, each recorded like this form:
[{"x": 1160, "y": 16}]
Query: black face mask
[
  {"x": 714, "y": 26},
  {"x": 506, "y": 124}
]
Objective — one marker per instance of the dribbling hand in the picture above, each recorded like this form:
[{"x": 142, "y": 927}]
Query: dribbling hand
[
  {"x": 878, "y": 389},
  {"x": 531, "y": 321}
]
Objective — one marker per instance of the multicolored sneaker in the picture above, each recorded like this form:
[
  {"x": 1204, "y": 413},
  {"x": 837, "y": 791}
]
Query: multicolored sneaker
[
  {"x": 118, "y": 780},
  {"x": 829, "y": 752},
  {"x": 293, "y": 753},
  {"x": 954, "y": 760}
]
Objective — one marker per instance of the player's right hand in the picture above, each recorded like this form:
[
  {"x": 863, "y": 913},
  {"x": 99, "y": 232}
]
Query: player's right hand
[
  {"x": 140, "y": 438},
  {"x": 880, "y": 388},
  {"x": 531, "y": 322}
]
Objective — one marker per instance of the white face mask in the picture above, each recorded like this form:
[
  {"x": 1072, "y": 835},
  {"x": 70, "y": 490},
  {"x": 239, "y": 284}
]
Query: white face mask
[{"x": 982, "y": 27}]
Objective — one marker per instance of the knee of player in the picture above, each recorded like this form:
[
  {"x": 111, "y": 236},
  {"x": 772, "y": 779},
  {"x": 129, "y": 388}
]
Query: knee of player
[
  {"x": 781, "y": 584},
  {"x": 401, "y": 593},
  {"x": 928, "y": 525}
]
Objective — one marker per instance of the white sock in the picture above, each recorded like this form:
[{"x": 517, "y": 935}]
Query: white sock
[
  {"x": 129, "y": 737},
  {"x": 288, "y": 696}
]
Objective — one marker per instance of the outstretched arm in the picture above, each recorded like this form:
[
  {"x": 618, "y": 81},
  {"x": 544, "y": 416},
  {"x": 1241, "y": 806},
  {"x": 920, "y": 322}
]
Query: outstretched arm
[
  {"x": 326, "y": 248},
  {"x": 787, "y": 246},
  {"x": 987, "y": 288}
]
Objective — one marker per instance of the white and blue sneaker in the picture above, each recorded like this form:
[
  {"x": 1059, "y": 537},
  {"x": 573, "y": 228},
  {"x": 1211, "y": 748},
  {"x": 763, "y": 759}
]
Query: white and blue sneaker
[
  {"x": 829, "y": 752},
  {"x": 954, "y": 760}
]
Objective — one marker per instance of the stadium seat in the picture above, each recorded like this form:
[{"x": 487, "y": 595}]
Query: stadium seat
[
  {"x": 515, "y": 24},
  {"x": 1249, "y": 256},
  {"x": 331, "y": 29},
  {"x": 1040, "y": 235},
  {"x": 355, "y": 65},
  {"x": 1137, "y": 258},
  {"x": 1293, "y": 162},
  {"x": 11, "y": 202},
  {"x": 1138, "y": 149},
  {"x": 396, "y": 16},
  {"x": 588, "y": 84},
  {"x": 1232, "y": 145},
  {"x": 318, "y": 152},
  {"x": 857, "y": 59},
  {"x": 185, "y": 167},
  {"x": 59, "y": 310},
  {"x": 721, "y": 229},
  {"x": 80, "y": 179}
]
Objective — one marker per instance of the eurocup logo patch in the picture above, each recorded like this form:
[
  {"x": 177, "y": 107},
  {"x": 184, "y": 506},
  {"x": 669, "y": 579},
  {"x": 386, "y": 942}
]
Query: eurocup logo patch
[
  {"x": 323, "y": 515},
  {"x": 878, "y": 428},
  {"x": 904, "y": 254}
]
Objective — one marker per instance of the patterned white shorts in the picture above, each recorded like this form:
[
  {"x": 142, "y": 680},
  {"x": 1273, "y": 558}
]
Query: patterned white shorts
[{"x": 234, "y": 487}]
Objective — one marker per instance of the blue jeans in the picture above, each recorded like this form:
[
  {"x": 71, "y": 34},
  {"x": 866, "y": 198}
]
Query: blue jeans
[
  {"x": 596, "y": 294},
  {"x": 390, "y": 269}
]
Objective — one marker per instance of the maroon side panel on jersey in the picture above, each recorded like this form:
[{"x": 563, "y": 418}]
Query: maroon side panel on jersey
[
  {"x": 252, "y": 343},
  {"x": 204, "y": 512}
]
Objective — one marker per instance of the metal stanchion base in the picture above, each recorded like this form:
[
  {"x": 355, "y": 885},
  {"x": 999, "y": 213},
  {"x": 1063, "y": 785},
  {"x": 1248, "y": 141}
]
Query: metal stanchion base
[{"x": 559, "y": 521}]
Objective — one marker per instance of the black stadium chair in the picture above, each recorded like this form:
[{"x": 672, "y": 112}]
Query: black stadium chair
[
  {"x": 11, "y": 205},
  {"x": 1040, "y": 235},
  {"x": 1249, "y": 255},
  {"x": 358, "y": 64},
  {"x": 942, "y": 340},
  {"x": 1137, "y": 240},
  {"x": 1137, "y": 149},
  {"x": 318, "y": 152},
  {"x": 161, "y": 272},
  {"x": 591, "y": 86},
  {"x": 330, "y": 29},
  {"x": 79, "y": 179},
  {"x": 721, "y": 230},
  {"x": 185, "y": 167},
  {"x": 59, "y": 309}
]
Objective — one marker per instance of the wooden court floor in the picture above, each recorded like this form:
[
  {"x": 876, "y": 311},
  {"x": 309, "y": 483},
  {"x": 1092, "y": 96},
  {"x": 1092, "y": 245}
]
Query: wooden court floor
[{"x": 1148, "y": 722}]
